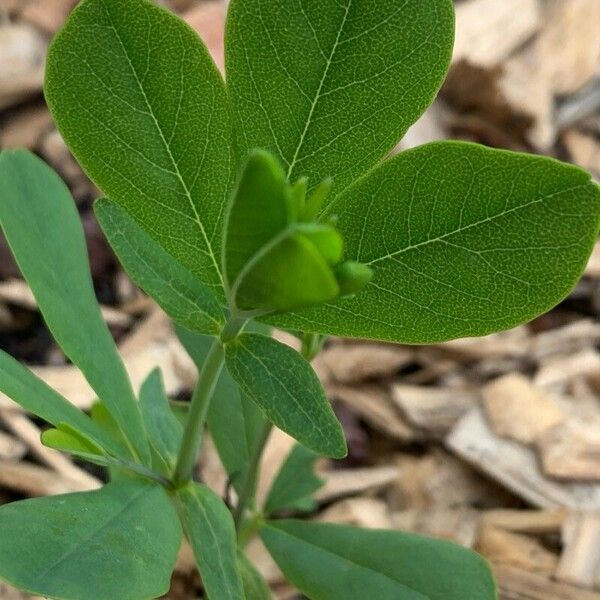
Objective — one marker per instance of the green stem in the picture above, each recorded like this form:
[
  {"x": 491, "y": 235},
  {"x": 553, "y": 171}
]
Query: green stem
[
  {"x": 192, "y": 436},
  {"x": 249, "y": 488}
]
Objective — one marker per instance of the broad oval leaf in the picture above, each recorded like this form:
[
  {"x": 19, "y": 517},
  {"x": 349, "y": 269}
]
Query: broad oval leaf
[
  {"x": 330, "y": 87},
  {"x": 43, "y": 229},
  {"x": 334, "y": 561},
  {"x": 143, "y": 108},
  {"x": 117, "y": 542},
  {"x": 235, "y": 422},
  {"x": 209, "y": 527},
  {"x": 180, "y": 294},
  {"x": 287, "y": 390},
  {"x": 463, "y": 241}
]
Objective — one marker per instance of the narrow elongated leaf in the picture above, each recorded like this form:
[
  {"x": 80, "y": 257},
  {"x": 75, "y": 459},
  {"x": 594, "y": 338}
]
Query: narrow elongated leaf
[
  {"x": 30, "y": 392},
  {"x": 143, "y": 108},
  {"x": 295, "y": 483},
  {"x": 287, "y": 390},
  {"x": 235, "y": 422},
  {"x": 117, "y": 542},
  {"x": 179, "y": 293},
  {"x": 209, "y": 527},
  {"x": 41, "y": 224},
  {"x": 255, "y": 586},
  {"x": 334, "y": 561},
  {"x": 463, "y": 241},
  {"x": 330, "y": 87},
  {"x": 164, "y": 430}
]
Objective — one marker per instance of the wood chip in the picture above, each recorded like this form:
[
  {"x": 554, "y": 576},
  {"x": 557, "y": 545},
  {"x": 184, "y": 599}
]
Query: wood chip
[
  {"x": 25, "y": 128},
  {"x": 432, "y": 409},
  {"x": 375, "y": 405},
  {"x": 358, "y": 362},
  {"x": 593, "y": 267},
  {"x": 11, "y": 448},
  {"x": 568, "y": 339},
  {"x": 518, "y": 410},
  {"x": 506, "y": 548},
  {"x": 350, "y": 482},
  {"x": 208, "y": 20},
  {"x": 580, "y": 560},
  {"x": 527, "y": 521},
  {"x": 370, "y": 513},
  {"x": 518, "y": 584},
  {"x": 488, "y": 31},
  {"x": 515, "y": 466},
  {"x": 558, "y": 371},
  {"x": 47, "y": 15},
  {"x": 584, "y": 150},
  {"x": 571, "y": 451}
]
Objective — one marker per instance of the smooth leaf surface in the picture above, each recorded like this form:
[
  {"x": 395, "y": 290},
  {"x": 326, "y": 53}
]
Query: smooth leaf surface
[
  {"x": 235, "y": 422},
  {"x": 30, "y": 392},
  {"x": 40, "y": 221},
  {"x": 143, "y": 108},
  {"x": 463, "y": 241},
  {"x": 259, "y": 210},
  {"x": 287, "y": 390},
  {"x": 330, "y": 87},
  {"x": 209, "y": 527},
  {"x": 295, "y": 483},
  {"x": 179, "y": 293},
  {"x": 164, "y": 429},
  {"x": 117, "y": 542},
  {"x": 334, "y": 561},
  {"x": 255, "y": 586}
]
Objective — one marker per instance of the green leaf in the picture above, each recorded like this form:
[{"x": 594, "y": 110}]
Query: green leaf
[
  {"x": 255, "y": 587},
  {"x": 41, "y": 224},
  {"x": 235, "y": 422},
  {"x": 287, "y": 390},
  {"x": 67, "y": 439},
  {"x": 333, "y": 561},
  {"x": 164, "y": 430},
  {"x": 144, "y": 110},
  {"x": 179, "y": 293},
  {"x": 330, "y": 87},
  {"x": 295, "y": 483},
  {"x": 463, "y": 241},
  {"x": 117, "y": 542},
  {"x": 209, "y": 527},
  {"x": 30, "y": 392},
  {"x": 260, "y": 209}
]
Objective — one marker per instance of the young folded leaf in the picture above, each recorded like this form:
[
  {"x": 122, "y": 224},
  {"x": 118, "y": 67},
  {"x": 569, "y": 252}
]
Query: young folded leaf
[
  {"x": 179, "y": 293},
  {"x": 117, "y": 542},
  {"x": 463, "y": 241},
  {"x": 209, "y": 528},
  {"x": 330, "y": 87},
  {"x": 145, "y": 113},
  {"x": 40, "y": 221},
  {"x": 287, "y": 390},
  {"x": 334, "y": 561},
  {"x": 295, "y": 483}
]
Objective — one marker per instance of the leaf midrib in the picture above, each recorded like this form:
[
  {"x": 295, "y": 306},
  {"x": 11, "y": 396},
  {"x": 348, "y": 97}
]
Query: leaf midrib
[{"x": 167, "y": 147}]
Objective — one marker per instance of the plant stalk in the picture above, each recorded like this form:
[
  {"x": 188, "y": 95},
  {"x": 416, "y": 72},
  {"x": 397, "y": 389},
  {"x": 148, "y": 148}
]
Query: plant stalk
[{"x": 192, "y": 436}]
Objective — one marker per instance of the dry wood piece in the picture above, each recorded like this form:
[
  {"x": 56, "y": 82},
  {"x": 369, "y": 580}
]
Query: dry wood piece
[
  {"x": 593, "y": 267},
  {"x": 571, "y": 451},
  {"x": 360, "y": 512},
  {"x": 22, "y": 56},
  {"x": 358, "y": 362},
  {"x": 276, "y": 450},
  {"x": 208, "y": 19},
  {"x": 25, "y": 128},
  {"x": 515, "y": 466},
  {"x": 570, "y": 42},
  {"x": 11, "y": 448},
  {"x": 527, "y": 521},
  {"x": 580, "y": 560},
  {"x": 518, "y": 584},
  {"x": 487, "y": 31},
  {"x": 557, "y": 372},
  {"x": 374, "y": 404},
  {"x": 584, "y": 149},
  {"x": 349, "y": 482},
  {"x": 47, "y": 15},
  {"x": 433, "y": 410},
  {"x": 569, "y": 339},
  {"x": 516, "y": 409},
  {"x": 10, "y": 593},
  {"x": 507, "y": 548}
]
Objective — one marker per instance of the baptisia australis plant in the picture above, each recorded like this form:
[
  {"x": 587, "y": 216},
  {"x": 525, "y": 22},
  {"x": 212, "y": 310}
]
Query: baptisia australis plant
[{"x": 264, "y": 202}]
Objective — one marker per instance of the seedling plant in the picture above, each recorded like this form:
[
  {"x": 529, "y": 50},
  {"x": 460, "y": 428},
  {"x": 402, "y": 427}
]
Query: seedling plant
[{"x": 268, "y": 201}]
